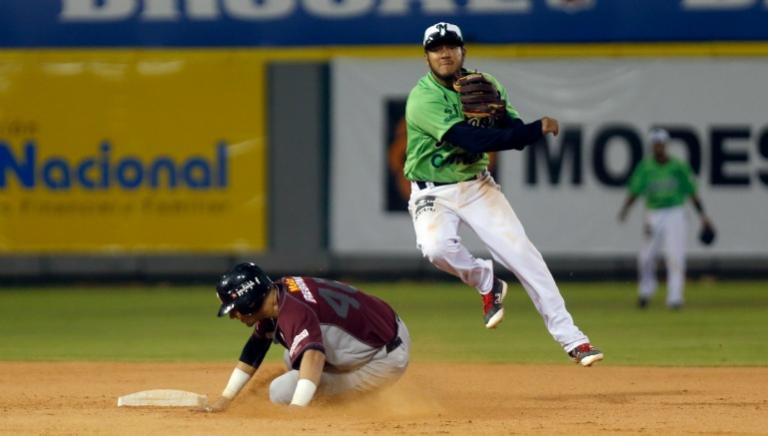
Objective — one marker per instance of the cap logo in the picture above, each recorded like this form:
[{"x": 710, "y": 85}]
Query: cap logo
[{"x": 442, "y": 30}]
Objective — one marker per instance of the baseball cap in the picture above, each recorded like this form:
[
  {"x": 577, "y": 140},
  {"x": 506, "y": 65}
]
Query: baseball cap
[
  {"x": 659, "y": 136},
  {"x": 442, "y": 33}
]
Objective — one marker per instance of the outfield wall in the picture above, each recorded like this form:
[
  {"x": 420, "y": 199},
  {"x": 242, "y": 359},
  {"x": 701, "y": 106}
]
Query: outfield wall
[
  {"x": 567, "y": 190},
  {"x": 329, "y": 208},
  {"x": 269, "y": 23},
  {"x": 132, "y": 152},
  {"x": 149, "y": 139}
]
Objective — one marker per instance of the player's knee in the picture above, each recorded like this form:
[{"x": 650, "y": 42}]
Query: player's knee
[
  {"x": 281, "y": 389},
  {"x": 438, "y": 250},
  {"x": 400, "y": 363},
  {"x": 675, "y": 267}
]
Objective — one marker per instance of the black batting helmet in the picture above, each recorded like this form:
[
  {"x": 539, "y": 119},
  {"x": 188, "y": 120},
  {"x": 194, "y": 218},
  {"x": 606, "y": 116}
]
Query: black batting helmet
[{"x": 243, "y": 288}]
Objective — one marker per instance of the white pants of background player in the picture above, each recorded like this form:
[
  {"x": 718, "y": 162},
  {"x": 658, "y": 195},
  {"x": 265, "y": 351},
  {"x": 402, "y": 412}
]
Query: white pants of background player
[
  {"x": 667, "y": 229},
  {"x": 437, "y": 212},
  {"x": 383, "y": 370}
]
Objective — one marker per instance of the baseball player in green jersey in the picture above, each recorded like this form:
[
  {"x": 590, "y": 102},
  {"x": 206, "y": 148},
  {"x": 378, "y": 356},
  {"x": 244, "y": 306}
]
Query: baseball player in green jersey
[
  {"x": 665, "y": 182},
  {"x": 446, "y": 161}
]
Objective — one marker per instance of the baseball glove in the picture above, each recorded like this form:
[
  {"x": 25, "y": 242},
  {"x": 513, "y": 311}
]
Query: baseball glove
[
  {"x": 707, "y": 234},
  {"x": 481, "y": 102}
]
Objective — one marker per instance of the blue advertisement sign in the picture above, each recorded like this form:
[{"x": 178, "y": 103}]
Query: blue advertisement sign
[{"x": 269, "y": 23}]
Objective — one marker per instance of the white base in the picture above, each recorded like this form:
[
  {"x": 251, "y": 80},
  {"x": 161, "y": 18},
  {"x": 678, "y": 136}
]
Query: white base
[{"x": 163, "y": 398}]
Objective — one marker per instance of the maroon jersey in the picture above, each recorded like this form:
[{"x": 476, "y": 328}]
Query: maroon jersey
[{"x": 347, "y": 325}]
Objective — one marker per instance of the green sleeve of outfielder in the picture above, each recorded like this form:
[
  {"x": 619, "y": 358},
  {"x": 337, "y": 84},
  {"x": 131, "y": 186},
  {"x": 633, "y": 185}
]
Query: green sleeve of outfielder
[
  {"x": 638, "y": 179},
  {"x": 688, "y": 183}
]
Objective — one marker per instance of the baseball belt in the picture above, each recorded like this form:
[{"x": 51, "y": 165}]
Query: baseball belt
[{"x": 424, "y": 185}]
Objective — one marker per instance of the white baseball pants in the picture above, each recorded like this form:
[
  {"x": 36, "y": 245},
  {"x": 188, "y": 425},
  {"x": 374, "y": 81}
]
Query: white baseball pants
[
  {"x": 668, "y": 230},
  {"x": 383, "y": 370},
  {"x": 437, "y": 212}
]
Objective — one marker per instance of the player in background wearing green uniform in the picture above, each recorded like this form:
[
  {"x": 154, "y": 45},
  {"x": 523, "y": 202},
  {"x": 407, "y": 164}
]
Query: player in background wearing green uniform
[
  {"x": 665, "y": 182},
  {"x": 446, "y": 161}
]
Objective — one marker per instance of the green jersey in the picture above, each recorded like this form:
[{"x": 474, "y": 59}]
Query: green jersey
[
  {"x": 430, "y": 111},
  {"x": 663, "y": 185}
]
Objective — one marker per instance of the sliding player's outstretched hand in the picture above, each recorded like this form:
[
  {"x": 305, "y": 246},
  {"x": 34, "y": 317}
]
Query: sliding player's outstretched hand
[{"x": 219, "y": 405}]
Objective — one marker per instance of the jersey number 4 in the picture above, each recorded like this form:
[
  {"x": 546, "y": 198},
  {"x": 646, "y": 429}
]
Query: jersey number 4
[{"x": 338, "y": 297}]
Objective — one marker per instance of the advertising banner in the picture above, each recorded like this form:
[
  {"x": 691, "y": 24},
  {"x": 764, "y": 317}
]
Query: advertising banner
[
  {"x": 125, "y": 151},
  {"x": 227, "y": 23},
  {"x": 566, "y": 190}
]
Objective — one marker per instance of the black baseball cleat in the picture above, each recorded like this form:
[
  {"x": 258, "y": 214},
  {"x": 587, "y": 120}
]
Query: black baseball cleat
[
  {"x": 586, "y": 354},
  {"x": 642, "y": 303},
  {"x": 493, "y": 311}
]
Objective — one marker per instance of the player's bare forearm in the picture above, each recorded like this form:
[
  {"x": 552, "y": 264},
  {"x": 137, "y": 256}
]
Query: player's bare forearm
[
  {"x": 312, "y": 364},
  {"x": 699, "y": 206},
  {"x": 248, "y": 369},
  {"x": 628, "y": 202},
  {"x": 240, "y": 376}
]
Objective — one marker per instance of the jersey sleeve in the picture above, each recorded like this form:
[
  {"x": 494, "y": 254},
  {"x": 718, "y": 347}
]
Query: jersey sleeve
[
  {"x": 254, "y": 351},
  {"x": 638, "y": 180},
  {"x": 258, "y": 343},
  {"x": 431, "y": 113},
  {"x": 265, "y": 329},
  {"x": 300, "y": 328},
  {"x": 688, "y": 181}
]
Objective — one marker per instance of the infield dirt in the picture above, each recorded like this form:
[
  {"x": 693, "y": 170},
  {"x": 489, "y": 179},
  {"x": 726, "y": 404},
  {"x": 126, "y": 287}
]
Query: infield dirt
[{"x": 54, "y": 398}]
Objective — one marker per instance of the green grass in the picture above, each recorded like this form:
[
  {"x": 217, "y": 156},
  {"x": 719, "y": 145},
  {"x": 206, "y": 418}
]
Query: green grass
[{"x": 723, "y": 324}]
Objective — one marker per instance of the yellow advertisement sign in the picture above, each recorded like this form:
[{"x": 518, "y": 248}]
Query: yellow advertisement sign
[{"x": 132, "y": 151}]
